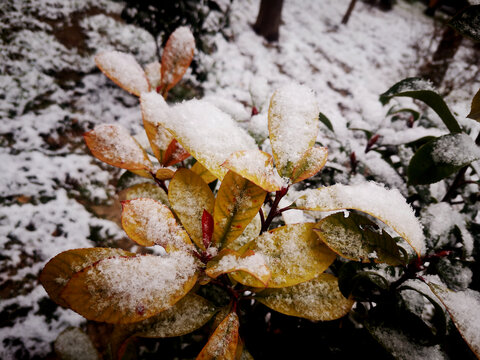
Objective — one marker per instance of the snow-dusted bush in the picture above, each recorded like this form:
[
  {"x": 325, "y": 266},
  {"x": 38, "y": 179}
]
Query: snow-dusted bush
[{"x": 213, "y": 202}]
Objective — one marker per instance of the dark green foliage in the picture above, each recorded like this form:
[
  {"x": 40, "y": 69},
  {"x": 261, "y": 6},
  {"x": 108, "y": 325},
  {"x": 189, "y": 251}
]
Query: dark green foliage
[{"x": 467, "y": 22}]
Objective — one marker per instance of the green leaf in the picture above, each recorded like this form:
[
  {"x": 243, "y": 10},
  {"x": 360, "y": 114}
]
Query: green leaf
[
  {"x": 357, "y": 238},
  {"x": 319, "y": 299},
  {"x": 420, "y": 89},
  {"x": 441, "y": 157},
  {"x": 467, "y": 22},
  {"x": 325, "y": 121},
  {"x": 74, "y": 344},
  {"x": 464, "y": 309},
  {"x": 238, "y": 202},
  {"x": 475, "y": 107},
  {"x": 59, "y": 270},
  {"x": 293, "y": 253},
  {"x": 122, "y": 290}
]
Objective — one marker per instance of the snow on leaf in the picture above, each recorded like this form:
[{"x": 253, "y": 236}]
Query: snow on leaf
[
  {"x": 206, "y": 175},
  {"x": 228, "y": 261},
  {"x": 442, "y": 157},
  {"x": 154, "y": 74},
  {"x": 224, "y": 340},
  {"x": 114, "y": 145},
  {"x": 74, "y": 344},
  {"x": 256, "y": 166},
  {"x": 147, "y": 190},
  {"x": 251, "y": 232},
  {"x": 149, "y": 222},
  {"x": 464, "y": 309},
  {"x": 123, "y": 70},
  {"x": 309, "y": 164},
  {"x": 176, "y": 57},
  {"x": 207, "y": 133},
  {"x": 293, "y": 253},
  {"x": 129, "y": 289},
  {"x": 293, "y": 125},
  {"x": 318, "y": 299},
  {"x": 189, "y": 196},
  {"x": 59, "y": 270},
  {"x": 355, "y": 237},
  {"x": 389, "y": 206},
  {"x": 237, "y": 203}
]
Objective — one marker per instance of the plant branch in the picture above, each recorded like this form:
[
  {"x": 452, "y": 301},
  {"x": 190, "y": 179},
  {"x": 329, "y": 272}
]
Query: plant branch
[
  {"x": 273, "y": 211},
  {"x": 159, "y": 182}
]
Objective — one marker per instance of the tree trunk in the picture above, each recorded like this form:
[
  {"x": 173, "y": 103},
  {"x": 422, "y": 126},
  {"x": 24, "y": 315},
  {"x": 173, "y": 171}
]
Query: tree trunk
[
  {"x": 349, "y": 12},
  {"x": 436, "y": 69},
  {"x": 268, "y": 19}
]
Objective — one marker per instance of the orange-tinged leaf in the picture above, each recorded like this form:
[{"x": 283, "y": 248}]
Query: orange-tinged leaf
[
  {"x": 206, "y": 175},
  {"x": 158, "y": 137},
  {"x": 309, "y": 164},
  {"x": 149, "y": 222},
  {"x": 207, "y": 133},
  {"x": 228, "y": 261},
  {"x": 293, "y": 125},
  {"x": 251, "y": 232},
  {"x": 129, "y": 289},
  {"x": 293, "y": 253},
  {"x": 164, "y": 174},
  {"x": 174, "y": 154},
  {"x": 237, "y": 203},
  {"x": 154, "y": 74},
  {"x": 256, "y": 166},
  {"x": 189, "y": 196},
  {"x": 389, "y": 206},
  {"x": 114, "y": 145},
  {"x": 58, "y": 271},
  {"x": 176, "y": 58},
  {"x": 319, "y": 299},
  {"x": 224, "y": 340},
  {"x": 123, "y": 70},
  {"x": 147, "y": 190}
]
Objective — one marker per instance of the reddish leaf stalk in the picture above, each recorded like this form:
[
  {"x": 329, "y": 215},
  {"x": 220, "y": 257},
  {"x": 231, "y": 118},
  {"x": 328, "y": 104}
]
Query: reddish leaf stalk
[
  {"x": 159, "y": 182},
  {"x": 273, "y": 211}
]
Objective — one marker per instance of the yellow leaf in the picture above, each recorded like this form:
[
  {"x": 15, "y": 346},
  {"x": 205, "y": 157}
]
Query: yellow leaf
[
  {"x": 256, "y": 166},
  {"x": 251, "y": 232},
  {"x": 205, "y": 132},
  {"x": 115, "y": 146},
  {"x": 228, "y": 261},
  {"x": 58, "y": 271},
  {"x": 293, "y": 125},
  {"x": 237, "y": 203},
  {"x": 158, "y": 137},
  {"x": 129, "y": 289},
  {"x": 187, "y": 315},
  {"x": 147, "y": 190},
  {"x": 356, "y": 238},
  {"x": 223, "y": 342},
  {"x": 310, "y": 163},
  {"x": 206, "y": 175},
  {"x": 293, "y": 253},
  {"x": 176, "y": 58},
  {"x": 123, "y": 70},
  {"x": 149, "y": 222},
  {"x": 189, "y": 195},
  {"x": 319, "y": 299},
  {"x": 388, "y": 206},
  {"x": 164, "y": 174}
]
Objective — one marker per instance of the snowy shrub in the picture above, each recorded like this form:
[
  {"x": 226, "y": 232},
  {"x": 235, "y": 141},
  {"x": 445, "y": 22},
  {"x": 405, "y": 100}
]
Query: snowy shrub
[{"x": 219, "y": 209}]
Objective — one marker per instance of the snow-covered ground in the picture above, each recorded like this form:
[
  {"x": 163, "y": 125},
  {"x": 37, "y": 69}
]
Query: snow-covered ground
[{"x": 55, "y": 196}]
